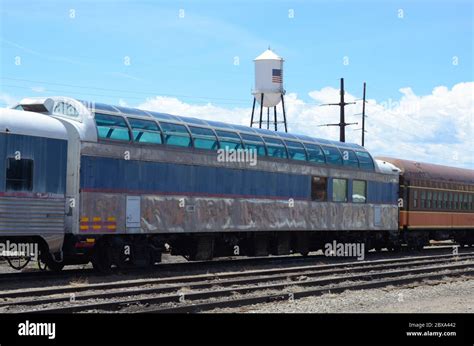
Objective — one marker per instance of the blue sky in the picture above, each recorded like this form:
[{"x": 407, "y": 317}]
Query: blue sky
[
  {"x": 179, "y": 57},
  {"x": 194, "y": 56}
]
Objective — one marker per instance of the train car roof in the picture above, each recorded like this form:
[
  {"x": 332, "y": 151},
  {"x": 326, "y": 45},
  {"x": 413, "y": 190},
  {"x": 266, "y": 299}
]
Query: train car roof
[
  {"x": 31, "y": 124},
  {"x": 423, "y": 171},
  {"x": 82, "y": 110}
]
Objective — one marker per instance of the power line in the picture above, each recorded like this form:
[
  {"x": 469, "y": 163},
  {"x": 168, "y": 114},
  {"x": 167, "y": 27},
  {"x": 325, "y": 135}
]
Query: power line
[
  {"x": 103, "y": 95},
  {"x": 121, "y": 90}
]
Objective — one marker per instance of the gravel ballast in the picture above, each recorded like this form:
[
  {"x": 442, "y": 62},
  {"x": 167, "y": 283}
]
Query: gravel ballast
[{"x": 447, "y": 297}]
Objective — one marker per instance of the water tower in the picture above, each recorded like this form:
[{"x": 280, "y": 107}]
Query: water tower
[{"x": 268, "y": 88}]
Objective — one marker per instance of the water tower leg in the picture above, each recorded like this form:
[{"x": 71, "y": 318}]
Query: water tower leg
[
  {"x": 268, "y": 118},
  {"x": 275, "y": 116},
  {"x": 261, "y": 110},
  {"x": 253, "y": 110},
  {"x": 284, "y": 114}
]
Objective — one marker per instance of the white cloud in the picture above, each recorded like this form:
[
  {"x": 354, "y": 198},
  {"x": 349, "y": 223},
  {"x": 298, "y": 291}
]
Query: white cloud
[
  {"x": 7, "y": 100},
  {"x": 435, "y": 128},
  {"x": 38, "y": 89}
]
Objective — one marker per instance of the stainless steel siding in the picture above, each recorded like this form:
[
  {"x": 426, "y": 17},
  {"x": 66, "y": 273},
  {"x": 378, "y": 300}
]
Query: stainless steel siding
[{"x": 31, "y": 215}]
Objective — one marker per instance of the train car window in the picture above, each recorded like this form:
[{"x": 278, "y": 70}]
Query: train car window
[
  {"x": 470, "y": 202},
  {"x": 204, "y": 138},
  {"x": 229, "y": 140},
  {"x": 359, "y": 191},
  {"x": 466, "y": 203},
  {"x": 145, "y": 131},
  {"x": 255, "y": 143},
  {"x": 275, "y": 148},
  {"x": 445, "y": 200},
  {"x": 19, "y": 175},
  {"x": 111, "y": 127},
  {"x": 423, "y": 199},
  {"x": 349, "y": 158},
  {"x": 339, "y": 190},
  {"x": 450, "y": 202},
  {"x": 365, "y": 161},
  {"x": 176, "y": 134},
  {"x": 455, "y": 201},
  {"x": 333, "y": 156},
  {"x": 435, "y": 200},
  {"x": 296, "y": 150},
  {"x": 315, "y": 153},
  {"x": 319, "y": 189},
  {"x": 415, "y": 199},
  {"x": 428, "y": 199}
]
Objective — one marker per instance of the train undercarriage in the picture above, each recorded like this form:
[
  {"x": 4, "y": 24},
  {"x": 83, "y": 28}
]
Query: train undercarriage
[{"x": 138, "y": 250}]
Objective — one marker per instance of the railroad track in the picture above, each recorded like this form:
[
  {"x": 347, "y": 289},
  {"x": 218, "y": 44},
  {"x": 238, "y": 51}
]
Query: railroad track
[
  {"x": 198, "y": 266},
  {"x": 209, "y": 291}
]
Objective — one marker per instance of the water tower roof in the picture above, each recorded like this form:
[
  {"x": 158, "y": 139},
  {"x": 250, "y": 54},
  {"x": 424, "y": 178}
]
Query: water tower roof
[{"x": 268, "y": 55}]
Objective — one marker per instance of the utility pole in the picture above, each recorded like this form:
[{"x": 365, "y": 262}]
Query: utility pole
[
  {"x": 363, "y": 116},
  {"x": 342, "y": 122}
]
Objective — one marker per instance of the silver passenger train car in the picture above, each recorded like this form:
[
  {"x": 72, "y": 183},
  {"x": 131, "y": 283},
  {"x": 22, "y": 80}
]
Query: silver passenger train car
[{"x": 116, "y": 185}]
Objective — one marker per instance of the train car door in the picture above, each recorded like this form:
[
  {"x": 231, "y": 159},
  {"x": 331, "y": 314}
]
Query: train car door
[{"x": 133, "y": 213}]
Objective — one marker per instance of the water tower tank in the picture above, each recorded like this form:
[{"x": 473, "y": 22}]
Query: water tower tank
[{"x": 268, "y": 78}]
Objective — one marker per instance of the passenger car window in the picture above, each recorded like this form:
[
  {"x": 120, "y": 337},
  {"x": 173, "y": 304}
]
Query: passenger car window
[
  {"x": 275, "y": 148},
  {"x": 423, "y": 199},
  {"x": 229, "y": 140},
  {"x": 254, "y": 143},
  {"x": 359, "y": 191},
  {"x": 145, "y": 131},
  {"x": 315, "y": 153},
  {"x": 339, "y": 190},
  {"x": 112, "y": 127},
  {"x": 365, "y": 161},
  {"x": 19, "y": 175},
  {"x": 176, "y": 134},
  {"x": 204, "y": 138},
  {"x": 349, "y": 158},
  {"x": 296, "y": 150},
  {"x": 319, "y": 189},
  {"x": 333, "y": 156}
]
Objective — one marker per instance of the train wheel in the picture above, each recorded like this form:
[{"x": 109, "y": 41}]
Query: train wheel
[
  {"x": 203, "y": 249},
  {"x": 102, "y": 259},
  {"x": 55, "y": 266},
  {"x": 50, "y": 264},
  {"x": 18, "y": 263}
]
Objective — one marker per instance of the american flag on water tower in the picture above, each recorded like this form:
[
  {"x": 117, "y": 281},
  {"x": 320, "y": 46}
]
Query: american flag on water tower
[{"x": 276, "y": 76}]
